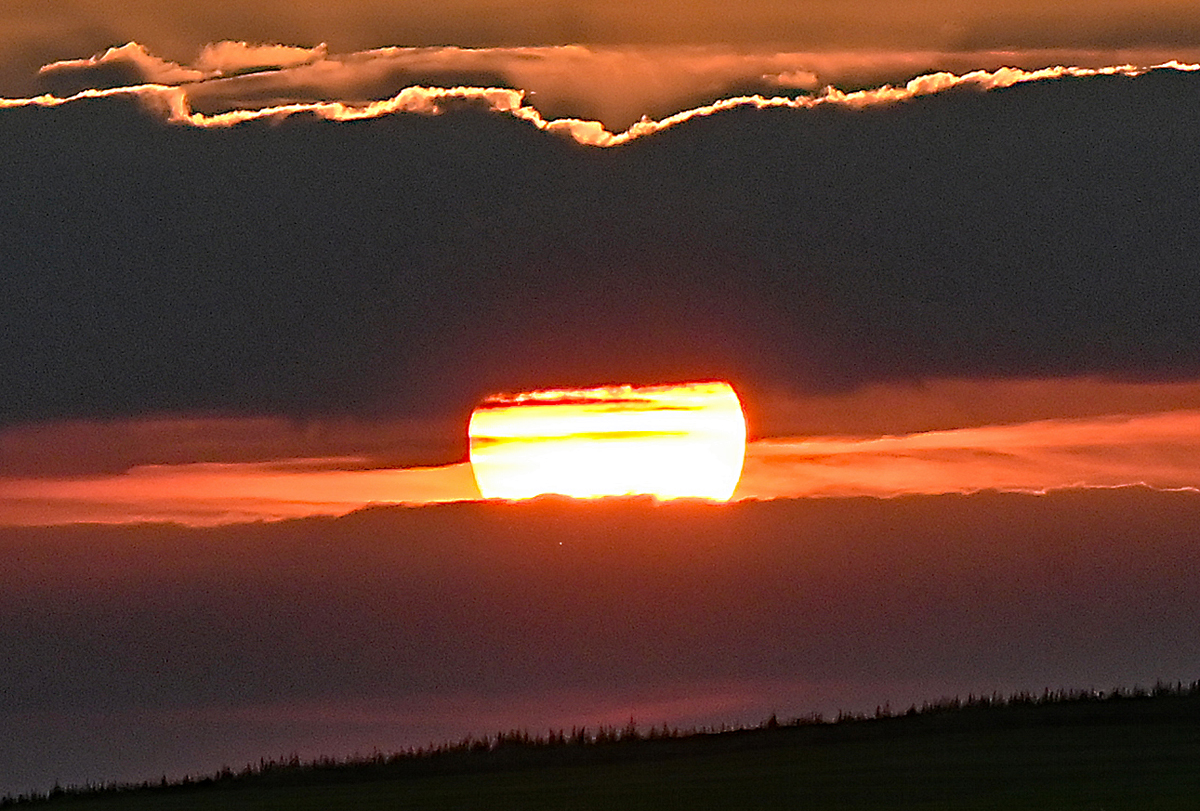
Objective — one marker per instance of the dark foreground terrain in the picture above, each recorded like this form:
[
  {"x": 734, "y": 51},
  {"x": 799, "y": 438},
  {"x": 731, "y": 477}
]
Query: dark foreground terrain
[{"x": 1121, "y": 750}]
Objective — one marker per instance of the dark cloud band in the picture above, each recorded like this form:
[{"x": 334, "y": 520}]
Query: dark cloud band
[{"x": 412, "y": 264}]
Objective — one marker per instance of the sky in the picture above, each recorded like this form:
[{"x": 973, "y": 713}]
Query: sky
[{"x": 259, "y": 263}]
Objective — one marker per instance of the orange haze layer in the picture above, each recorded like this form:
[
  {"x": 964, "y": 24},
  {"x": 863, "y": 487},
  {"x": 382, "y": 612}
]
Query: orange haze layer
[{"x": 952, "y": 436}]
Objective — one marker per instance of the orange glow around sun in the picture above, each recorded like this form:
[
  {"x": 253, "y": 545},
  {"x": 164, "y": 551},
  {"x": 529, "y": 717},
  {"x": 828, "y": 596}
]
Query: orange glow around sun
[{"x": 684, "y": 440}]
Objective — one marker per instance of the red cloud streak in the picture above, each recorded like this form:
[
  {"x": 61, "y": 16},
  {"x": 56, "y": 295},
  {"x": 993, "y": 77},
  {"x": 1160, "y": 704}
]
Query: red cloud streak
[{"x": 207, "y": 472}]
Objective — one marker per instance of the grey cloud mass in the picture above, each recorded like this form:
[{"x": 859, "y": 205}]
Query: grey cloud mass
[{"x": 409, "y": 264}]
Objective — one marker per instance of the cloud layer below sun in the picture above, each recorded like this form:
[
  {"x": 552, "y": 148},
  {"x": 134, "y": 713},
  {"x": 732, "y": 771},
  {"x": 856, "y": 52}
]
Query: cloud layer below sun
[{"x": 138, "y": 651}]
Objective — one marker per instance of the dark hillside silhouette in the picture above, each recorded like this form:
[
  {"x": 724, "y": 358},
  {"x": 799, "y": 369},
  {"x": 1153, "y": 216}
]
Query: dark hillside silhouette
[{"x": 1063, "y": 742}]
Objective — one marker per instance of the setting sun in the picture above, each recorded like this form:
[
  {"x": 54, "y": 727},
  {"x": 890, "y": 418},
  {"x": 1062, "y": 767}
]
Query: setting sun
[{"x": 683, "y": 440}]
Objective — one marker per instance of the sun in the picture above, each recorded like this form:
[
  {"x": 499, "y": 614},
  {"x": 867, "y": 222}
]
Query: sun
[{"x": 681, "y": 440}]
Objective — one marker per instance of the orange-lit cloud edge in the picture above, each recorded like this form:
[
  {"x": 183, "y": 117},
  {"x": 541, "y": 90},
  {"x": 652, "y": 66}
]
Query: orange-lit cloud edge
[
  {"x": 615, "y": 86},
  {"x": 1105, "y": 435},
  {"x": 170, "y": 95}
]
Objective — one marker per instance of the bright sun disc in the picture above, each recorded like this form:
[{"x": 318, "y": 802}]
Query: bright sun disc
[{"x": 683, "y": 440}]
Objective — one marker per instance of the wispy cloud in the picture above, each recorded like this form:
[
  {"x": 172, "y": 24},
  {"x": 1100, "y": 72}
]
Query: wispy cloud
[
  {"x": 226, "y": 57},
  {"x": 1158, "y": 450},
  {"x": 212, "y": 470},
  {"x": 206, "y": 494},
  {"x": 130, "y": 59},
  {"x": 74, "y": 449},
  {"x": 939, "y": 404}
]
